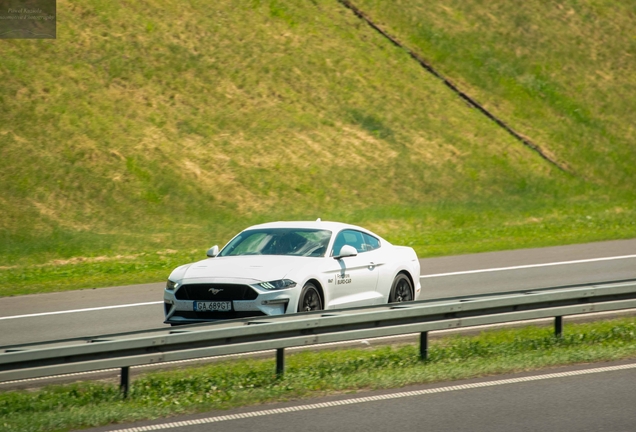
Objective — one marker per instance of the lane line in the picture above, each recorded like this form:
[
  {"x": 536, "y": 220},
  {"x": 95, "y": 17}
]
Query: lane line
[
  {"x": 81, "y": 310},
  {"x": 421, "y": 277},
  {"x": 528, "y": 266},
  {"x": 359, "y": 400}
]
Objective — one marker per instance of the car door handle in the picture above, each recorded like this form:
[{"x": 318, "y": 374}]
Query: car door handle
[{"x": 371, "y": 266}]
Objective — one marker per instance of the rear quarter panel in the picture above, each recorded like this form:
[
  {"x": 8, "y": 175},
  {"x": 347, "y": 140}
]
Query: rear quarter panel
[{"x": 399, "y": 259}]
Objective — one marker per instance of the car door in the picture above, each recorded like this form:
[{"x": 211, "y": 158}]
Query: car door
[{"x": 352, "y": 280}]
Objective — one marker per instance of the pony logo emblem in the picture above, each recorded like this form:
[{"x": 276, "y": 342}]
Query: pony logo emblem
[{"x": 215, "y": 291}]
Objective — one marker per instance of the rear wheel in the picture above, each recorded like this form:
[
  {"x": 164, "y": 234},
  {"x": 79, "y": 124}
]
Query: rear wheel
[
  {"x": 309, "y": 298},
  {"x": 401, "y": 290}
]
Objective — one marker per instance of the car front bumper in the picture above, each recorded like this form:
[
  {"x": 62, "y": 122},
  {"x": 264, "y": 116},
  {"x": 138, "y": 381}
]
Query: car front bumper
[{"x": 246, "y": 301}]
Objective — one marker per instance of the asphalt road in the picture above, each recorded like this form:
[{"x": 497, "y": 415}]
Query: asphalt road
[
  {"x": 86, "y": 313},
  {"x": 598, "y": 397}
]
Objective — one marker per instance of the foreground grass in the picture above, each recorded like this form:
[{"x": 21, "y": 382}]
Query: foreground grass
[{"x": 311, "y": 374}]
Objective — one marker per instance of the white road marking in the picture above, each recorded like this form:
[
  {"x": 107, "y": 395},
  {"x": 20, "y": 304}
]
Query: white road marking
[
  {"x": 421, "y": 277},
  {"x": 359, "y": 400},
  {"x": 81, "y": 310},
  {"x": 528, "y": 266}
]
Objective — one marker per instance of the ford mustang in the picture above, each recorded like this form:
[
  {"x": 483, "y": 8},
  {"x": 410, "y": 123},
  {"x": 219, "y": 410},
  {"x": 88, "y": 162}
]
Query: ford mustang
[{"x": 287, "y": 267}]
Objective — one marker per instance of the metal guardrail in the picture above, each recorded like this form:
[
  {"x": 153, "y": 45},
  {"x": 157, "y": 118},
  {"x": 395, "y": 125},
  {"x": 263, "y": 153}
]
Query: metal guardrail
[{"x": 280, "y": 332}]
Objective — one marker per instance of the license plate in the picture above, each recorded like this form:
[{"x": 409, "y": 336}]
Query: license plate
[{"x": 220, "y": 306}]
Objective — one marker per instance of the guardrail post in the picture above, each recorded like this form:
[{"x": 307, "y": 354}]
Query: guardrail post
[
  {"x": 558, "y": 326},
  {"x": 423, "y": 345},
  {"x": 280, "y": 362},
  {"x": 125, "y": 380}
]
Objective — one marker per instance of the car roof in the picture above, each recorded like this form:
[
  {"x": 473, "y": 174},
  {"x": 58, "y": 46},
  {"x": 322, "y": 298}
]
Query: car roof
[
  {"x": 327, "y": 225},
  {"x": 334, "y": 227}
]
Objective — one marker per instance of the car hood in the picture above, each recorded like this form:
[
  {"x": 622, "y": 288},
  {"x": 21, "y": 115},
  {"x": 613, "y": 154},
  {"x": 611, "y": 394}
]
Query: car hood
[{"x": 256, "y": 268}]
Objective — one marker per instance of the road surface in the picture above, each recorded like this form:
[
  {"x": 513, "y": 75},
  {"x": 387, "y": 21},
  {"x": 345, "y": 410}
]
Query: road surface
[
  {"x": 94, "y": 312},
  {"x": 599, "y": 397}
]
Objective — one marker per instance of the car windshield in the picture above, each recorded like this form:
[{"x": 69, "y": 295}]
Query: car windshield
[{"x": 279, "y": 241}]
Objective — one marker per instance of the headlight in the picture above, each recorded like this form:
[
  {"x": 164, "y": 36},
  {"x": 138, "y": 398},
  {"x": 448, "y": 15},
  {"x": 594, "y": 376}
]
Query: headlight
[
  {"x": 278, "y": 284},
  {"x": 171, "y": 286}
]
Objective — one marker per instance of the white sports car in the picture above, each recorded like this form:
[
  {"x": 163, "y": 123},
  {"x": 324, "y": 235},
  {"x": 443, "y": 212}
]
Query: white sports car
[{"x": 287, "y": 267}]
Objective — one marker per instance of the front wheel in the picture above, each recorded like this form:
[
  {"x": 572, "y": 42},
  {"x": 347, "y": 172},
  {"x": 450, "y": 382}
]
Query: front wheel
[
  {"x": 401, "y": 290},
  {"x": 309, "y": 298}
]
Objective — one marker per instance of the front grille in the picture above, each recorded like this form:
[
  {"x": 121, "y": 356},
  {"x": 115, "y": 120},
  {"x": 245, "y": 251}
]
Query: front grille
[
  {"x": 217, "y": 315},
  {"x": 223, "y": 292}
]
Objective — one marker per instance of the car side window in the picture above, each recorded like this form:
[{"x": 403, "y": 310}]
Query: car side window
[
  {"x": 359, "y": 240},
  {"x": 369, "y": 242}
]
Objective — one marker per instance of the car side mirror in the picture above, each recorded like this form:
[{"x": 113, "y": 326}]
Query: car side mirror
[
  {"x": 213, "y": 251},
  {"x": 347, "y": 251}
]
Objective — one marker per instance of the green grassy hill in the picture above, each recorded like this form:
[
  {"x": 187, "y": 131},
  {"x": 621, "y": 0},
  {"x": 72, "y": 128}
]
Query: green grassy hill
[
  {"x": 148, "y": 131},
  {"x": 561, "y": 73}
]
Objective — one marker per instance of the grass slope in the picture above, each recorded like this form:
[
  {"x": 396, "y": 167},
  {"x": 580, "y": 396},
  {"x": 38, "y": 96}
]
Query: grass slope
[
  {"x": 558, "y": 72},
  {"x": 150, "y": 130}
]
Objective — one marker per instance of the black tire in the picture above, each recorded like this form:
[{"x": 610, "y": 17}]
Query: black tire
[
  {"x": 309, "y": 299},
  {"x": 401, "y": 290}
]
